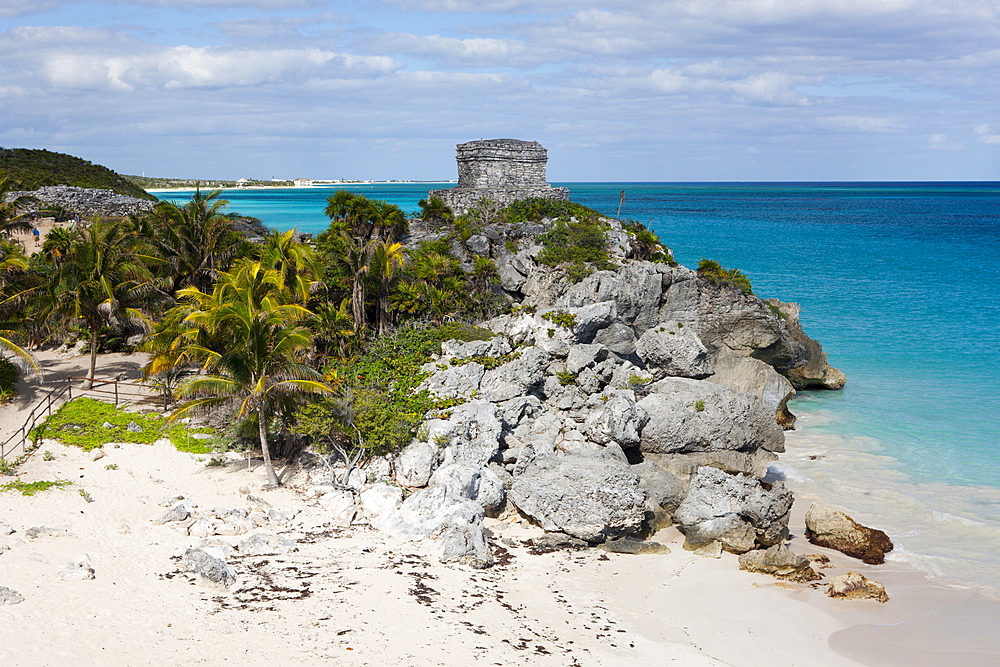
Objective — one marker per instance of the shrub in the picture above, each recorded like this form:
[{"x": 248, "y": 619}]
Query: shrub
[
  {"x": 581, "y": 244},
  {"x": 380, "y": 402},
  {"x": 565, "y": 377},
  {"x": 714, "y": 273},
  {"x": 561, "y": 318},
  {"x": 699, "y": 405}
]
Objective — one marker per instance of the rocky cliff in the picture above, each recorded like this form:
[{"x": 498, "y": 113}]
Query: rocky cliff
[{"x": 605, "y": 406}]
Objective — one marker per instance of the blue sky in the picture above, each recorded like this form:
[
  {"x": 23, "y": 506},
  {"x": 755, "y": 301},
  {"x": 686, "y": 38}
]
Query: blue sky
[{"x": 621, "y": 90}]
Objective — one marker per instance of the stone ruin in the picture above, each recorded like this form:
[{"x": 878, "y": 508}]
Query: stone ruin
[{"x": 501, "y": 170}]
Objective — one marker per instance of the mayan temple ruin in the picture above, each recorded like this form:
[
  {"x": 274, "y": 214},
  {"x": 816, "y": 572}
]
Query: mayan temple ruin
[{"x": 501, "y": 170}]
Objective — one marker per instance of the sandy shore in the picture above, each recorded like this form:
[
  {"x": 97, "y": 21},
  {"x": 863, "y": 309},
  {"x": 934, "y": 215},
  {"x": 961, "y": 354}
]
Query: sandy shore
[{"x": 353, "y": 596}]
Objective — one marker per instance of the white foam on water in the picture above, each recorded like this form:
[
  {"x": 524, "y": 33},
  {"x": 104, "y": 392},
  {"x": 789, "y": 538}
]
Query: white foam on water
[{"x": 951, "y": 532}]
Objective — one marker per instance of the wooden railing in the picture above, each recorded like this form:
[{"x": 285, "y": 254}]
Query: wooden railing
[{"x": 120, "y": 392}]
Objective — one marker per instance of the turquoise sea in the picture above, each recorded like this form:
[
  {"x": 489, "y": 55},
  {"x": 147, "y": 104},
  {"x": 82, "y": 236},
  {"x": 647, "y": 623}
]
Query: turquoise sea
[{"x": 901, "y": 284}]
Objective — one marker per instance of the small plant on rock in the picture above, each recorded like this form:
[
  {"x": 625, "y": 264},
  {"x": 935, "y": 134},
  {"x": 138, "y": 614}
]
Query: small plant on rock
[
  {"x": 565, "y": 377},
  {"x": 48, "y": 456},
  {"x": 699, "y": 405},
  {"x": 560, "y": 318}
]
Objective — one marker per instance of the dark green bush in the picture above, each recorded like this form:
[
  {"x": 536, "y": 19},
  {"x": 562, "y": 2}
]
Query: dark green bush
[{"x": 8, "y": 376}]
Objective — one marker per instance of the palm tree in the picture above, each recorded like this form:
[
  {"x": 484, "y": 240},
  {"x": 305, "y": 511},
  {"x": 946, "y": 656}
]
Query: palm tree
[
  {"x": 297, "y": 262},
  {"x": 13, "y": 216},
  {"x": 386, "y": 260},
  {"x": 387, "y": 221},
  {"x": 196, "y": 240},
  {"x": 262, "y": 371},
  {"x": 57, "y": 244},
  {"x": 356, "y": 261},
  {"x": 12, "y": 294},
  {"x": 436, "y": 212},
  {"x": 104, "y": 281}
]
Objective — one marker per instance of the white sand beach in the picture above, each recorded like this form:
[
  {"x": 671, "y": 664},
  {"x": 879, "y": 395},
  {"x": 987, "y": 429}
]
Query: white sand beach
[{"x": 353, "y": 596}]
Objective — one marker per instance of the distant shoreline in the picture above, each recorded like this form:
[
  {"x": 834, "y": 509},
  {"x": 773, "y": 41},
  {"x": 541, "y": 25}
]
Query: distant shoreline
[{"x": 293, "y": 187}]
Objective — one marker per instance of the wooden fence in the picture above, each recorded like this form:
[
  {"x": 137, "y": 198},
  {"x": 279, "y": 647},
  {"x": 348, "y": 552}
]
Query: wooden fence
[{"x": 117, "y": 391}]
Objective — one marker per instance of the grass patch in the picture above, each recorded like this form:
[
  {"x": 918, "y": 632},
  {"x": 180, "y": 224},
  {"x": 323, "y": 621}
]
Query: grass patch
[
  {"x": 31, "y": 488},
  {"x": 81, "y": 423}
]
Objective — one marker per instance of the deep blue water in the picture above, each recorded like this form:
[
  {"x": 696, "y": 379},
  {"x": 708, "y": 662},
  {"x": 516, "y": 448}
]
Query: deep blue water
[{"x": 901, "y": 284}]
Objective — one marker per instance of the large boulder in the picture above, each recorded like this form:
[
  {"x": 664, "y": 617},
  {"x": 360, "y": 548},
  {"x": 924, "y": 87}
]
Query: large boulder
[
  {"x": 688, "y": 415},
  {"x": 517, "y": 377},
  {"x": 827, "y": 527},
  {"x": 815, "y": 373},
  {"x": 470, "y": 435},
  {"x": 416, "y": 464},
  {"x": 674, "y": 351},
  {"x": 664, "y": 490},
  {"x": 454, "y": 524},
  {"x": 593, "y": 499},
  {"x": 616, "y": 418},
  {"x": 481, "y": 485},
  {"x": 735, "y": 510},
  {"x": 453, "y": 381},
  {"x": 753, "y": 376}
]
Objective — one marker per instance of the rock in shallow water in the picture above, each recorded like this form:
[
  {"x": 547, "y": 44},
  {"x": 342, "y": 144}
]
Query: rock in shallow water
[{"x": 827, "y": 527}]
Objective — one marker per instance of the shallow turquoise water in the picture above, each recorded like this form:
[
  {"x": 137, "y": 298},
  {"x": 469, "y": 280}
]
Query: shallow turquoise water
[{"x": 901, "y": 284}]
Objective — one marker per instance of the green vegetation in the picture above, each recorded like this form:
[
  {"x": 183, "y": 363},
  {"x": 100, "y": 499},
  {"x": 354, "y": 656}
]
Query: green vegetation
[
  {"x": 31, "y": 488},
  {"x": 565, "y": 377},
  {"x": 560, "y": 318},
  {"x": 85, "y": 495},
  {"x": 714, "y": 273},
  {"x": 699, "y": 405},
  {"x": 80, "y": 423},
  {"x": 579, "y": 245},
  {"x": 48, "y": 456},
  {"x": 31, "y": 169},
  {"x": 646, "y": 245},
  {"x": 8, "y": 376},
  {"x": 377, "y": 407},
  {"x": 111, "y": 466}
]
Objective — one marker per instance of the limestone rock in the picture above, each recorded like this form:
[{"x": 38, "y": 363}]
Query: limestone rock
[
  {"x": 618, "y": 419},
  {"x": 618, "y": 338},
  {"x": 454, "y": 524},
  {"x": 580, "y": 357},
  {"x": 593, "y": 499},
  {"x": 856, "y": 586},
  {"x": 517, "y": 377},
  {"x": 472, "y": 433},
  {"x": 674, "y": 352},
  {"x": 664, "y": 491},
  {"x": 454, "y": 381},
  {"x": 133, "y": 428},
  {"x": 262, "y": 544},
  {"x": 736, "y": 510},
  {"x": 478, "y": 484},
  {"x": 815, "y": 372},
  {"x": 692, "y": 416},
  {"x": 339, "y": 507},
  {"x": 209, "y": 568},
  {"x": 827, "y": 527},
  {"x": 10, "y": 596},
  {"x": 627, "y": 546},
  {"x": 280, "y": 516},
  {"x": 779, "y": 561},
  {"x": 78, "y": 570},
  {"x": 416, "y": 463},
  {"x": 5, "y": 528},
  {"x": 41, "y": 532},
  {"x": 379, "y": 499},
  {"x": 97, "y": 455},
  {"x": 753, "y": 376},
  {"x": 203, "y": 527},
  {"x": 178, "y": 512}
]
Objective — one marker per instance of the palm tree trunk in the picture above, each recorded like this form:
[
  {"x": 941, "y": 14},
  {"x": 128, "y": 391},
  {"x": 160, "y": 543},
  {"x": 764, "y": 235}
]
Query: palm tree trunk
[
  {"x": 93, "y": 357},
  {"x": 272, "y": 477}
]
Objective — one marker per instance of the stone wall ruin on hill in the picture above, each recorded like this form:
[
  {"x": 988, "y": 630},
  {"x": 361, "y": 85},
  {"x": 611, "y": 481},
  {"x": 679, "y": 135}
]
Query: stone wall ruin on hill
[{"x": 501, "y": 170}]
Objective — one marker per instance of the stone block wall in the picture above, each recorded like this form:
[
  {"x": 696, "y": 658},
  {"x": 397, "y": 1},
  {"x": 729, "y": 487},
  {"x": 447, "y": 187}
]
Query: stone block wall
[{"x": 501, "y": 170}]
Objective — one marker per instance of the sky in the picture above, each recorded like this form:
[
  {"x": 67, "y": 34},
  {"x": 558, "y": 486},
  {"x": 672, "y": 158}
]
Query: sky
[{"x": 616, "y": 90}]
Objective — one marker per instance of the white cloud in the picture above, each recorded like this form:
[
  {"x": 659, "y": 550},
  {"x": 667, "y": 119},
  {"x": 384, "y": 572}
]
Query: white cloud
[
  {"x": 861, "y": 124},
  {"x": 985, "y": 135},
  {"x": 209, "y": 67},
  {"x": 12, "y": 8}
]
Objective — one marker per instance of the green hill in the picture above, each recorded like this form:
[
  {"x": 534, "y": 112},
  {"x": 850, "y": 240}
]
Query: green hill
[{"x": 31, "y": 169}]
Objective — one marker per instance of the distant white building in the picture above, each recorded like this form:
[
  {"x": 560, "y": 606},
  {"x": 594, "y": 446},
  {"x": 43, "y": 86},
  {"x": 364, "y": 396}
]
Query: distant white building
[
  {"x": 303, "y": 182},
  {"x": 242, "y": 182}
]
